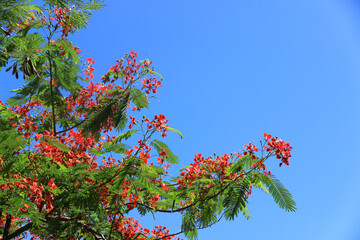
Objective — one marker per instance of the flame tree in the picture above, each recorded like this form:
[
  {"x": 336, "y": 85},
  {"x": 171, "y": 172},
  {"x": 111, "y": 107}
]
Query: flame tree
[{"x": 75, "y": 157}]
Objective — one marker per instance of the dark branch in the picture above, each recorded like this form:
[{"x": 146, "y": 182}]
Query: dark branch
[
  {"x": 20, "y": 230},
  {"x": 177, "y": 233},
  {"x": 7, "y": 227},
  {"x": 26, "y": 227},
  {"x": 97, "y": 235},
  {"x": 68, "y": 129}
]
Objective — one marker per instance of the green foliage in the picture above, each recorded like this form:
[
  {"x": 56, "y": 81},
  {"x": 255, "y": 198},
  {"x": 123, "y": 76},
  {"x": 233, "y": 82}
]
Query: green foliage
[
  {"x": 159, "y": 145},
  {"x": 188, "y": 225},
  {"x": 123, "y": 136},
  {"x": 66, "y": 75},
  {"x": 56, "y": 143},
  {"x": 11, "y": 11},
  {"x": 10, "y": 141},
  {"x": 138, "y": 97},
  {"x": 153, "y": 72},
  {"x": 110, "y": 109},
  {"x": 234, "y": 201},
  {"x": 110, "y": 147},
  {"x": 174, "y": 130},
  {"x": 261, "y": 186},
  {"x": 280, "y": 194},
  {"x": 120, "y": 118}
]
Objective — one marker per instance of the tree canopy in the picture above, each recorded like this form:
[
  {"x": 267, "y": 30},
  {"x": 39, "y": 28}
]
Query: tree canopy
[{"x": 77, "y": 158}]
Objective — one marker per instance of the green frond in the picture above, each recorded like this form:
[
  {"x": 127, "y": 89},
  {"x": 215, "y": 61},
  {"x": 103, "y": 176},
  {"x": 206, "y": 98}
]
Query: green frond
[
  {"x": 153, "y": 72},
  {"x": 189, "y": 225},
  {"x": 234, "y": 201},
  {"x": 101, "y": 115},
  {"x": 159, "y": 145},
  {"x": 10, "y": 141},
  {"x": 138, "y": 98},
  {"x": 280, "y": 194},
  {"x": 65, "y": 73},
  {"x": 174, "y": 130},
  {"x": 109, "y": 147},
  {"x": 123, "y": 136},
  {"x": 120, "y": 119},
  {"x": 261, "y": 186},
  {"x": 11, "y": 11},
  {"x": 56, "y": 143}
]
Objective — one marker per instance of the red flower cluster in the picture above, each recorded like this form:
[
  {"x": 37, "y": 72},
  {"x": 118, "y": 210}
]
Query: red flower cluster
[
  {"x": 74, "y": 141},
  {"x": 151, "y": 84},
  {"x": 282, "y": 149},
  {"x": 206, "y": 168},
  {"x": 23, "y": 23},
  {"x": 77, "y": 50},
  {"x": 145, "y": 149},
  {"x": 131, "y": 228},
  {"x": 89, "y": 70},
  {"x": 128, "y": 70},
  {"x": 159, "y": 123},
  {"x": 62, "y": 20},
  {"x": 162, "y": 156},
  {"x": 250, "y": 149},
  {"x": 26, "y": 123}
]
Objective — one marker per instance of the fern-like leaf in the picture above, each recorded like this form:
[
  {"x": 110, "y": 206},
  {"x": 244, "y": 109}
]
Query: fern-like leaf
[
  {"x": 280, "y": 194},
  {"x": 159, "y": 145}
]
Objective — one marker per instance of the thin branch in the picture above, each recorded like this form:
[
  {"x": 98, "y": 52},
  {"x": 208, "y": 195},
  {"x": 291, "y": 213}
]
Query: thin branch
[
  {"x": 186, "y": 207},
  {"x": 52, "y": 100},
  {"x": 68, "y": 129},
  {"x": 179, "y": 232},
  {"x": 51, "y": 83},
  {"x": 7, "y": 33},
  {"x": 170, "y": 235}
]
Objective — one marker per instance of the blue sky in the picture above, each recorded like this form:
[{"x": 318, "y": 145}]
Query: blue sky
[{"x": 236, "y": 69}]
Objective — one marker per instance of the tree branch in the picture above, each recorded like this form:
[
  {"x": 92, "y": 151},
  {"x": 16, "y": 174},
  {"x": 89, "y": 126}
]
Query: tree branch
[
  {"x": 76, "y": 125},
  {"x": 20, "y": 230},
  {"x": 52, "y": 100},
  {"x": 177, "y": 233},
  {"x": 7, "y": 227},
  {"x": 97, "y": 235},
  {"x": 28, "y": 226}
]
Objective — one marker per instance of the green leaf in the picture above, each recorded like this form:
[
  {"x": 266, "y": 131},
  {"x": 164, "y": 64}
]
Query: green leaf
[
  {"x": 56, "y": 143},
  {"x": 94, "y": 5},
  {"x": 124, "y": 136},
  {"x": 189, "y": 226},
  {"x": 67, "y": 47},
  {"x": 120, "y": 119},
  {"x": 159, "y": 145},
  {"x": 280, "y": 194},
  {"x": 10, "y": 141},
  {"x": 234, "y": 201},
  {"x": 16, "y": 100},
  {"x": 98, "y": 117},
  {"x": 174, "y": 130},
  {"x": 139, "y": 98},
  {"x": 6, "y": 181},
  {"x": 110, "y": 147},
  {"x": 65, "y": 72},
  {"x": 153, "y": 72},
  {"x": 261, "y": 186}
]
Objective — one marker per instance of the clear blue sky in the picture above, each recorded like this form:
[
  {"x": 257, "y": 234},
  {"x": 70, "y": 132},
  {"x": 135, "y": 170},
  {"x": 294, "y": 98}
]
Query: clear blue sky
[{"x": 236, "y": 69}]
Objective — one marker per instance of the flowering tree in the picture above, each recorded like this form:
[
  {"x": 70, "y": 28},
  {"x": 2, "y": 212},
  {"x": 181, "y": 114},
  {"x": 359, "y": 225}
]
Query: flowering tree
[{"x": 76, "y": 159}]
